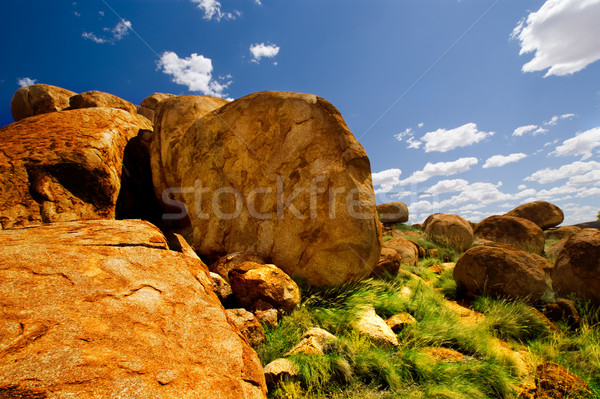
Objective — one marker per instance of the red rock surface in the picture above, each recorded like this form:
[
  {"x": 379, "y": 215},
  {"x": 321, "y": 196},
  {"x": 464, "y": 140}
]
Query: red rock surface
[
  {"x": 518, "y": 232},
  {"x": 542, "y": 213},
  {"x": 39, "y": 99}
]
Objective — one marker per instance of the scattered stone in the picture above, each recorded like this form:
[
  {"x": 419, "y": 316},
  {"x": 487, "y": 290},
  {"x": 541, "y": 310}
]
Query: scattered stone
[
  {"x": 563, "y": 310},
  {"x": 104, "y": 307},
  {"x": 443, "y": 355},
  {"x": 577, "y": 268},
  {"x": 222, "y": 288},
  {"x": 270, "y": 317},
  {"x": 449, "y": 230},
  {"x": 229, "y": 262},
  {"x": 399, "y": 321},
  {"x": 518, "y": 232},
  {"x": 436, "y": 269},
  {"x": 248, "y": 325},
  {"x": 63, "y": 166},
  {"x": 375, "y": 328},
  {"x": 502, "y": 272},
  {"x": 433, "y": 253},
  {"x": 406, "y": 249},
  {"x": 389, "y": 263},
  {"x": 316, "y": 341},
  {"x": 555, "y": 381},
  {"x": 252, "y": 282},
  {"x": 93, "y": 99},
  {"x": 561, "y": 232},
  {"x": 39, "y": 99},
  {"x": 542, "y": 213},
  {"x": 393, "y": 212},
  {"x": 279, "y": 369},
  {"x": 269, "y": 165}
]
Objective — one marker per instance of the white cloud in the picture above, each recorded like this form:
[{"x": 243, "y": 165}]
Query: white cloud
[
  {"x": 258, "y": 2},
  {"x": 212, "y": 10},
  {"x": 412, "y": 143},
  {"x": 400, "y": 136},
  {"x": 24, "y": 82},
  {"x": 410, "y": 138},
  {"x": 592, "y": 177},
  {"x": 589, "y": 192},
  {"x": 554, "y": 120},
  {"x": 448, "y": 186},
  {"x": 260, "y": 50},
  {"x": 576, "y": 213},
  {"x": 118, "y": 32},
  {"x": 566, "y": 171},
  {"x": 387, "y": 179},
  {"x": 563, "y": 34},
  {"x": 440, "y": 169},
  {"x": 534, "y": 129},
  {"x": 501, "y": 160},
  {"x": 421, "y": 124},
  {"x": 478, "y": 193},
  {"x": 195, "y": 72},
  {"x": 522, "y": 187},
  {"x": 443, "y": 140},
  {"x": 581, "y": 144}
]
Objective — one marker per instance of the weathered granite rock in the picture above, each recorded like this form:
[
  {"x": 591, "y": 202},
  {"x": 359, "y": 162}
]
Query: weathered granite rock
[
  {"x": 152, "y": 101},
  {"x": 276, "y": 173},
  {"x": 554, "y": 381},
  {"x": 103, "y": 309},
  {"x": 256, "y": 286},
  {"x": 39, "y": 99},
  {"x": 389, "y": 263},
  {"x": 561, "y": 232},
  {"x": 279, "y": 369},
  {"x": 518, "y": 232},
  {"x": 542, "y": 213},
  {"x": 449, "y": 230},
  {"x": 94, "y": 98},
  {"x": 398, "y": 321},
  {"x": 369, "y": 324},
  {"x": 63, "y": 166},
  {"x": 315, "y": 341},
  {"x": 502, "y": 271},
  {"x": 577, "y": 268},
  {"x": 248, "y": 325},
  {"x": 393, "y": 212},
  {"x": 406, "y": 249}
]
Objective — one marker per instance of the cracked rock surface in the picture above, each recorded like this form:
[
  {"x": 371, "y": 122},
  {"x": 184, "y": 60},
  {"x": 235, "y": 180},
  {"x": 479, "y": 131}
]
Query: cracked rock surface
[
  {"x": 63, "y": 166},
  {"x": 99, "y": 309}
]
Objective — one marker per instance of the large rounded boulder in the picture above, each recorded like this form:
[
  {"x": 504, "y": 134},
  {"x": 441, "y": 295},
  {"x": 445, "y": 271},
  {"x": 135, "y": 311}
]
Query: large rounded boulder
[
  {"x": 63, "y": 166},
  {"x": 102, "y": 309},
  {"x": 39, "y": 99},
  {"x": 277, "y": 174},
  {"x": 577, "y": 268},
  {"x": 449, "y": 230},
  {"x": 518, "y": 232},
  {"x": 393, "y": 212},
  {"x": 94, "y": 99},
  {"x": 502, "y": 271},
  {"x": 407, "y": 250},
  {"x": 542, "y": 213}
]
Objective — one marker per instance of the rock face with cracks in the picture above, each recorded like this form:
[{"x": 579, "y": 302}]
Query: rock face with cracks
[
  {"x": 278, "y": 174},
  {"x": 39, "y": 99},
  {"x": 63, "y": 166},
  {"x": 102, "y": 309}
]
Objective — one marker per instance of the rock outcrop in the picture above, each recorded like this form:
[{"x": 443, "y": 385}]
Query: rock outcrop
[
  {"x": 63, "y": 166},
  {"x": 449, "y": 230},
  {"x": 542, "y": 213},
  {"x": 39, "y": 99},
  {"x": 94, "y": 99},
  {"x": 518, "y": 232},
  {"x": 278, "y": 174},
  {"x": 103, "y": 309},
  {"x": 393, "y": 212},
  {"x": 502, "y": 271},
  {"x": 577, "y": 268}
]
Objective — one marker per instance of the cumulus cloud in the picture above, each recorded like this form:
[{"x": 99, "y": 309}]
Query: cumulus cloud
[
  {"x": 478, "y": 193},
  {"x": 212, "y": 10},
  {"x": 443, "y": 140},
  {"x": 408, "y": 136},
  {"x": 112, "y": 35},
  {"x": 24, "y": 82},
  {"x": 261, "y": 50},
  {"x": 564, "y": 172},
  {"x": 533, "y": 129},
  {"x": 194, "y": 71},
  {"x": 554, "y": 120},
  {"x": 440, "y": 169},
  {"x": 563, "y": 34},
  {"x": 582, "y": 144},
  {"x": 387, "y": 179},
  {"x": 448, "y": 186},
  {"x": 501, "y": 160},
  {"x": 592, "y": 177}
]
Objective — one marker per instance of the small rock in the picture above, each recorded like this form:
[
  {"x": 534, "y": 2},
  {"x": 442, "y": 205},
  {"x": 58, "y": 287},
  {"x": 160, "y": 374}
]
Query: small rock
[
  {"x": 221, "y": 287},
  {"x": 443, "y": 355},
  {"x": 406, "y": 249},
  {"x": 437, "y": 269},
  {"x": 449, "y": 230},
  {"x": 554, "y": 381},
  {"x": 228, "y": 262},
  {"x": 563, "y": 310},
  {"x": 269, "y": 317},
  {"x": 375, "y": 328},
  {"x": 248, "y": 325},
  {"x": 315, "y": 341},
  {"x": 399, "y": 321},
  {"x": 278, "y": 369},
  {"x": 389, "y": 263},
  {"x": 393, "y": 212}
]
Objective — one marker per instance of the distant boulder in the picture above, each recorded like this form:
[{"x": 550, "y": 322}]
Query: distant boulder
[
  {"x": 502, "y": 271},
  {"x": 94, "y": 99},
  {"x": 449, "y": 230},
  {"x": 577, "y": 268},
  {"x": 393, "y": 212},
  {"x": 406, "y": 249},
  {"x": 542, "y": 213},
  {"x": 39, "y": 99},
  {"x": 519, "y": 232},
  {"x": 153, "y": 100},
  {"x": 561, "y": 232}
]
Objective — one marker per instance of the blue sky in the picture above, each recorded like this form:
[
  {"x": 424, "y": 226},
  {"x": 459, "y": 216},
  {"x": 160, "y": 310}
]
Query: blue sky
[{"x": 469, "y": 107}]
